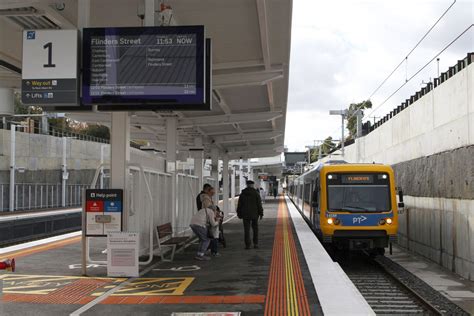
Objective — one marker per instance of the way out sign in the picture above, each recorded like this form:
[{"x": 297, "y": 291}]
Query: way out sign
[{"x": 50, "y": 67}]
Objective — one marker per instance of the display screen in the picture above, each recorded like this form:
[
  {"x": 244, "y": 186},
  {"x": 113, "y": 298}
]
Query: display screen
[{"x": 144, "y": 65}]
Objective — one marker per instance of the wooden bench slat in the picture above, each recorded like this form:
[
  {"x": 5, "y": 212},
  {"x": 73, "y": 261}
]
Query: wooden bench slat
[
  {"x": 165, "y": 230},
  {"x": 176, "y": 240}
]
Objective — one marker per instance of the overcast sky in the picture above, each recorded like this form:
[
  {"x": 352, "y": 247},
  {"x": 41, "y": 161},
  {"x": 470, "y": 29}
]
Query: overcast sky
[{"x": 341, "y": 50}]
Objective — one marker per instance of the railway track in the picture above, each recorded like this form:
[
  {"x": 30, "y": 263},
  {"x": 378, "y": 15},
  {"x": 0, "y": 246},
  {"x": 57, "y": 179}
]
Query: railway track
[
  {"x": 384, "y": 293},
  {"x": 388, "y": 292}
]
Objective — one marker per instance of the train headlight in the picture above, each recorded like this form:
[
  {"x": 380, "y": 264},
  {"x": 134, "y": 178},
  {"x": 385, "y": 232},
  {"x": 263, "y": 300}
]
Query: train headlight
[
  {"x": 330, "y": 221},
  {"x": 330, "y": 176},
  {"x": 384, "y": 221}
]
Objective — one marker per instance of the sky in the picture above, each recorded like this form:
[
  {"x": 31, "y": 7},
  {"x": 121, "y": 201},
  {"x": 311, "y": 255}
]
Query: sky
[{"x": 341, "y": 50}]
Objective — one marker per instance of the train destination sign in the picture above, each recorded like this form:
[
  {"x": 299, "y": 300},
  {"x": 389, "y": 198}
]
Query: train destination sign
[
  {"x": 357, "y": 178},
  {"x": 144, "y": 65}
]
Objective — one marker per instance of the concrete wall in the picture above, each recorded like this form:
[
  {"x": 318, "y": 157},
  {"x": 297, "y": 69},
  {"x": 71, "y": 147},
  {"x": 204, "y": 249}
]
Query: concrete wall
[
  {"x": 431, "y": 147},
  {"x": 41, "y": 157}
]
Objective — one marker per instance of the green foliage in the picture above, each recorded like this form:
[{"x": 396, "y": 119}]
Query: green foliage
[
  {"x": 326, "y": 147},
  {"x": 20, "y": 108},
  {"x": 96, "y": 130},
  {"x": 351, "y": 123},
  {"x": 61, "y": 124}
]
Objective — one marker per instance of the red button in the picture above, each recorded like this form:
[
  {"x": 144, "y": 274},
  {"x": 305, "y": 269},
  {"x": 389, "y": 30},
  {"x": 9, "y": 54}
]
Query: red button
[{"x": 94, "y": 206}]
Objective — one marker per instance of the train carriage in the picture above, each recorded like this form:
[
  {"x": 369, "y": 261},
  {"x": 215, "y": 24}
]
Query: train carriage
[{"x": 349, "y": 206}]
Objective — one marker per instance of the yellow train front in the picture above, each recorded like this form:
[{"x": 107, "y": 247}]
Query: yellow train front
[{"x": 349, "y": 206}]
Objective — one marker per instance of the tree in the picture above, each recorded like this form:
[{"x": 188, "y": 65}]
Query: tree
[
  {"x": 60, "y": 124},
  {"x": 351, "y": 118},
  {"x": 326, "y": 148},
  {"x": 20, "y": 108},
  {"x": 96, "y": 130}
]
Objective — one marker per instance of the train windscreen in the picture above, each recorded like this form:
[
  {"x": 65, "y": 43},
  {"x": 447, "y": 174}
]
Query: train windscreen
[{"x": 358, "y": 192}]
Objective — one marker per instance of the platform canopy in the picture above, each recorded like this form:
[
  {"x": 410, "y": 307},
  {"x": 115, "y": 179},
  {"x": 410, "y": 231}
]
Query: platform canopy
[{"x": 251, "y": 52}]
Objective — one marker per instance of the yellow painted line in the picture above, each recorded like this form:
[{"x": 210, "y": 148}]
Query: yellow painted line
[
  {"x": 35, "y": 249},
  {"x": 292, "y": 303},
  {"x": 43, "y": 284},
  {"x": 143, "y": 289}
]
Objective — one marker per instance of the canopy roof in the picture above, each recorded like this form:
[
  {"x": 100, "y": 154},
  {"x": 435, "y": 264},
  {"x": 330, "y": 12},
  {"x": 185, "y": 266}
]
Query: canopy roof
[{"x": 251, "y": 52}]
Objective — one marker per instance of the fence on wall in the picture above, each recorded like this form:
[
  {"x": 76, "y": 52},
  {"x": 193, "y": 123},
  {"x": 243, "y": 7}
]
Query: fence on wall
[{"x": 31, "y": 196}]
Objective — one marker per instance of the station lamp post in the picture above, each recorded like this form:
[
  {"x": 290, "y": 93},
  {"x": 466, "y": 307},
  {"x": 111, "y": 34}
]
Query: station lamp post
[{"x": 343, "y": 114}]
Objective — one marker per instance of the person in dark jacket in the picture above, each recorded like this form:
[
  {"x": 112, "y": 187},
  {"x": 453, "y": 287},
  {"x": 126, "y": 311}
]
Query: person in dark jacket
[
  {"x": 205, "y": 190},
  {"x": 250, "y": 210}
]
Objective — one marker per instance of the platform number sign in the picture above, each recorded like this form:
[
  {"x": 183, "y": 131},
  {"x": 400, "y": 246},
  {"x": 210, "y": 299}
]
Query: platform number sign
[
  {"x": 49, "y": 47},
  {"x": 50, "y": 67}
]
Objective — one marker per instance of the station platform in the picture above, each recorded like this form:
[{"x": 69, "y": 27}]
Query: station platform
[{"x": 272, "y": 280}]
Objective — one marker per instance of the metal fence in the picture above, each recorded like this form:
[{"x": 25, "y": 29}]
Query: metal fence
[
  {"x": 187, "y": 190},
  {"x": 30, "y": 196}
]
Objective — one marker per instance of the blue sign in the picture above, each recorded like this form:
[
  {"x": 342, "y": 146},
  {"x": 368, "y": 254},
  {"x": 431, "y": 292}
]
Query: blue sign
[
  {"x": 359, "y": 219},
  {"x": 113, "y": 206},
  {"x": 30, "y": 35}
]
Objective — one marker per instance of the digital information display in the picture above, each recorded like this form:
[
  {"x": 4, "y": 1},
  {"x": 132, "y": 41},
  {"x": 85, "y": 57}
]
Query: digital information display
[
  {"x": 357, "y": 178},
  {"x": 144, "y": 65}
]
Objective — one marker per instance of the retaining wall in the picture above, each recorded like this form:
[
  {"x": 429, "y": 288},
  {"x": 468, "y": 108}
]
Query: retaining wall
[{"x": 430, "y": 145}]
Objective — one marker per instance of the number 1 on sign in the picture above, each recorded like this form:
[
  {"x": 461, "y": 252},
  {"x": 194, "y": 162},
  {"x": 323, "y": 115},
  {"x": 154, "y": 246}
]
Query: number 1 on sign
[{"x": 49, "y": 47}]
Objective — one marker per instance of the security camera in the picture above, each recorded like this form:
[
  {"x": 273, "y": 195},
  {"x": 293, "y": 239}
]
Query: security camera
[{"x": 60, "y": 6}]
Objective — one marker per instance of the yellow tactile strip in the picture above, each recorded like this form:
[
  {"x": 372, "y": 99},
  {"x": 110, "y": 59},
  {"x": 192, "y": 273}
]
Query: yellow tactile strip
[{"x": 286, "y": 293}]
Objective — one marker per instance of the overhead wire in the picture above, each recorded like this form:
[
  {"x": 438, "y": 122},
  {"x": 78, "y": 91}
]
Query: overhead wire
[
  {"x": 405, "y": 59},
  {"x": 421, "y": 69}
]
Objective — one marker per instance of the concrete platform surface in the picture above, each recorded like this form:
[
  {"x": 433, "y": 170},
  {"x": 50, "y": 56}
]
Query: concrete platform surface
[
  {"x": 272, "y": 280},
  {"x": 455, "y": 288}
]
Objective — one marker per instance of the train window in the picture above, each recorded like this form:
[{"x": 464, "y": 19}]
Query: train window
[
  {"x": 359, "y": 193},
  {"x": 316, "y": 197},
  {"x": 306, "y": 198}
]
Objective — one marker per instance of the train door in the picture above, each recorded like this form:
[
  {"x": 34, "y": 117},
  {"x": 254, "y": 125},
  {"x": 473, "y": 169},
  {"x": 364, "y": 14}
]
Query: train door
[{"x": 316, "y": 205}]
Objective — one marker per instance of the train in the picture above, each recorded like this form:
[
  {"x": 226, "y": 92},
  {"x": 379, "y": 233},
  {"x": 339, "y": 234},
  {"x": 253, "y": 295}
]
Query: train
[{"x": 349, "y": 206}]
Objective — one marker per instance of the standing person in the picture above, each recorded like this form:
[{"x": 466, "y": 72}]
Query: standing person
[
  {"x": 275, "y": 191},
  {"x": 250, "y": 209},
  {"x": 205, "y": 188},
  {"x": 207, "y": 202},
  {"x": 262, "y": 195},
  {"x": 201, "y": 223}
]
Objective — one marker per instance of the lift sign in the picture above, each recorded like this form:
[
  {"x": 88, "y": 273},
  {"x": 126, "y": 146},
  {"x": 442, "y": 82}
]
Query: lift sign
[{"x": 103, "y": 211}]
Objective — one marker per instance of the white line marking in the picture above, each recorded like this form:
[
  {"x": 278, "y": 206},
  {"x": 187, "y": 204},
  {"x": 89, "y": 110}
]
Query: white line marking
[
  {"x": 111, "y": 291},
  {"x": 38, "y": 242},
  {"x": 13, "y": 217},
  {"x": 121, "y": 285},
  {"x": 349, "y": 300}
]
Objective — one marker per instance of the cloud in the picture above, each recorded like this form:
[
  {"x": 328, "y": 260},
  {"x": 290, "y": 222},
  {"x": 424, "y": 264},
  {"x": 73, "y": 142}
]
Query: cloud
[{"x": 342, "y": 50}]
